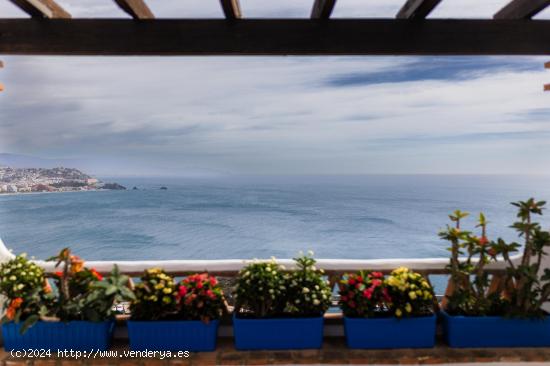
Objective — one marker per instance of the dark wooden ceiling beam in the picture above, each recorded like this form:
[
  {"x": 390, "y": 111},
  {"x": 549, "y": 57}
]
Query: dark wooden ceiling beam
[
  {"x": 231, "y": 9},
  {"x": 42, "y": 8},
  {"x": 521, "y": 9},
  {"x": 322, "y": 9},
  {"x": 417, "y": 9},
  {"x": 274, "y": 37},
  {"x": 137, "y": 9}
]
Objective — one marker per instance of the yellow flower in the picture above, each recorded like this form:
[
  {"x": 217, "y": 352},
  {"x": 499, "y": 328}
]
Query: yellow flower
[
  {"x": 408, "y": 308},
  {"x": 167, "y": 290},
  {"x": 398, "y": 313},
  {"x": 412, "y": 295}
]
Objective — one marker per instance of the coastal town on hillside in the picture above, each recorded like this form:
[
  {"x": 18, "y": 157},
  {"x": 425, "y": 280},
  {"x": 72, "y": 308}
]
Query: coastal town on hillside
[{"x": 26, "y": 180}]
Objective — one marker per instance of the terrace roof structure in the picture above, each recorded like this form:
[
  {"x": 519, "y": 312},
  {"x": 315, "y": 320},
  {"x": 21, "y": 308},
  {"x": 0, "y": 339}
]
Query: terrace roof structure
[{"x": 52, "y": 31}]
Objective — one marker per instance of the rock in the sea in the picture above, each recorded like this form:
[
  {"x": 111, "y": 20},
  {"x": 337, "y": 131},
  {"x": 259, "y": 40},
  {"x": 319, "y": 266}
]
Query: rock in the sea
[
  {"x": 114, "y": 186},
  {"x": 163, "y": 188},
  {"x": 135, "y": 188}
]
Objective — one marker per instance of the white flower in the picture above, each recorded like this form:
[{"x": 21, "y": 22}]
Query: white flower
[
  {"x": 271, "y": 291},
  {"x": 20, "y": 286},
  {"x": 317, "y": 287},
  {"x": 316, "y": 302},
  {"x": 310, "y": 252},
  {"x": 13, "y": 278},
  {"x": 305, "y": 290},
  {"x": 297, "y": 301}
]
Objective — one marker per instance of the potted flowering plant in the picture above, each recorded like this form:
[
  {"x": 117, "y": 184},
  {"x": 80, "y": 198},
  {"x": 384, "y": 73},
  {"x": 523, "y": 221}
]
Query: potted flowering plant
[
  {"x": 392, "y": 312},
  {"x": 503, "y": 310},
  {"x": 277, "y": 310},
  {"x": 79, "y": 315},
  {"x": 170, "y": 316}
]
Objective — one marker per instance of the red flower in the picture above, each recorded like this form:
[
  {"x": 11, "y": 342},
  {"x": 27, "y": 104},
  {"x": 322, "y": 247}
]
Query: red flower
[
  {"x": 376, "y": 283},
  {"x": 59, "y": 274},
  {"x": 377, "y": 274},
  {"x": 182, "y": 291},
  {"x": 211, "y": 294},
  {"x": 351, "y": 304},
  {"x": 359, "y": 279},
  {"x": 386, "y": 295},
  {"x": 199, "y": 285},
  {"x": 368, "y": 293},
  {"x": 492, "y": 252},
  {"x": 213, "y": 281},
  {"x": 483, "y": 241},
  {"x": 96, "y": 274},
  {"x": 344, "y": 298},
  {"x": 351, "y": 281}
]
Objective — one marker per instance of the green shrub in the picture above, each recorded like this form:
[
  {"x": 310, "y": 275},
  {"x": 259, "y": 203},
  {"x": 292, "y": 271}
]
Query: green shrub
[{"x": 155, "y": 296}]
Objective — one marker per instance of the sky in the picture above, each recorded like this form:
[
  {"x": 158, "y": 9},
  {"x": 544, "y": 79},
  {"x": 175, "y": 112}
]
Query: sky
[{"x": 278, "y": 115}]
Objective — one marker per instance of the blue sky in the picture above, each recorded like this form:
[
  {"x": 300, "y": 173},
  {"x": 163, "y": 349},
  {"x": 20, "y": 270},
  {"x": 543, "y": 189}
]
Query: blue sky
[{"x": 279, "y": 115}]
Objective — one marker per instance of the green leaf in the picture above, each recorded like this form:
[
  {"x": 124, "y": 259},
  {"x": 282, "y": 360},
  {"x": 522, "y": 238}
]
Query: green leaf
[{"x": 29, "y": 322}]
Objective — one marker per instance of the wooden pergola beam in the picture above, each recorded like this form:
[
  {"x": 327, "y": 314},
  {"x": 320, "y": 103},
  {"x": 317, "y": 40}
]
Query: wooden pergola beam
[
  {"x": 137, "y": 9},
  {"x": 417, "y": 9},
  {"x": 231, "y": 9},
  {"x": 521, "y": 9},
  {"x": 42, "y": 8},
  {"x": 274, "y": 37},
  {"x": 322, "y": 9}
]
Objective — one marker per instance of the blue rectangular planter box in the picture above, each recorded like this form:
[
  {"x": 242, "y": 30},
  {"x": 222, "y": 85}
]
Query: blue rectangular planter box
[
  {"x": 495, "y": 331},
  {"x": 177, "y": 335},
  {"x": 75, "y": 335},
  {"x": 278, "y": 333},
  {"x": 380, "y": 333}
]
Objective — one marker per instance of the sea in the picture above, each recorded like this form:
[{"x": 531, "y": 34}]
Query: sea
[{"x": 259, "y": 217}]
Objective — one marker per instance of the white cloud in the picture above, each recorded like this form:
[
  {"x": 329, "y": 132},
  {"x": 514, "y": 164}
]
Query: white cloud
[{"x": 272, "y": 115}]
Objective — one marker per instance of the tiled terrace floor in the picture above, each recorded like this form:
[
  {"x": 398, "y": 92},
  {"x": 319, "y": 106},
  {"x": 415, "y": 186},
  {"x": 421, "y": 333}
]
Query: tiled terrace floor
[{"x": 334, "y": 352}]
